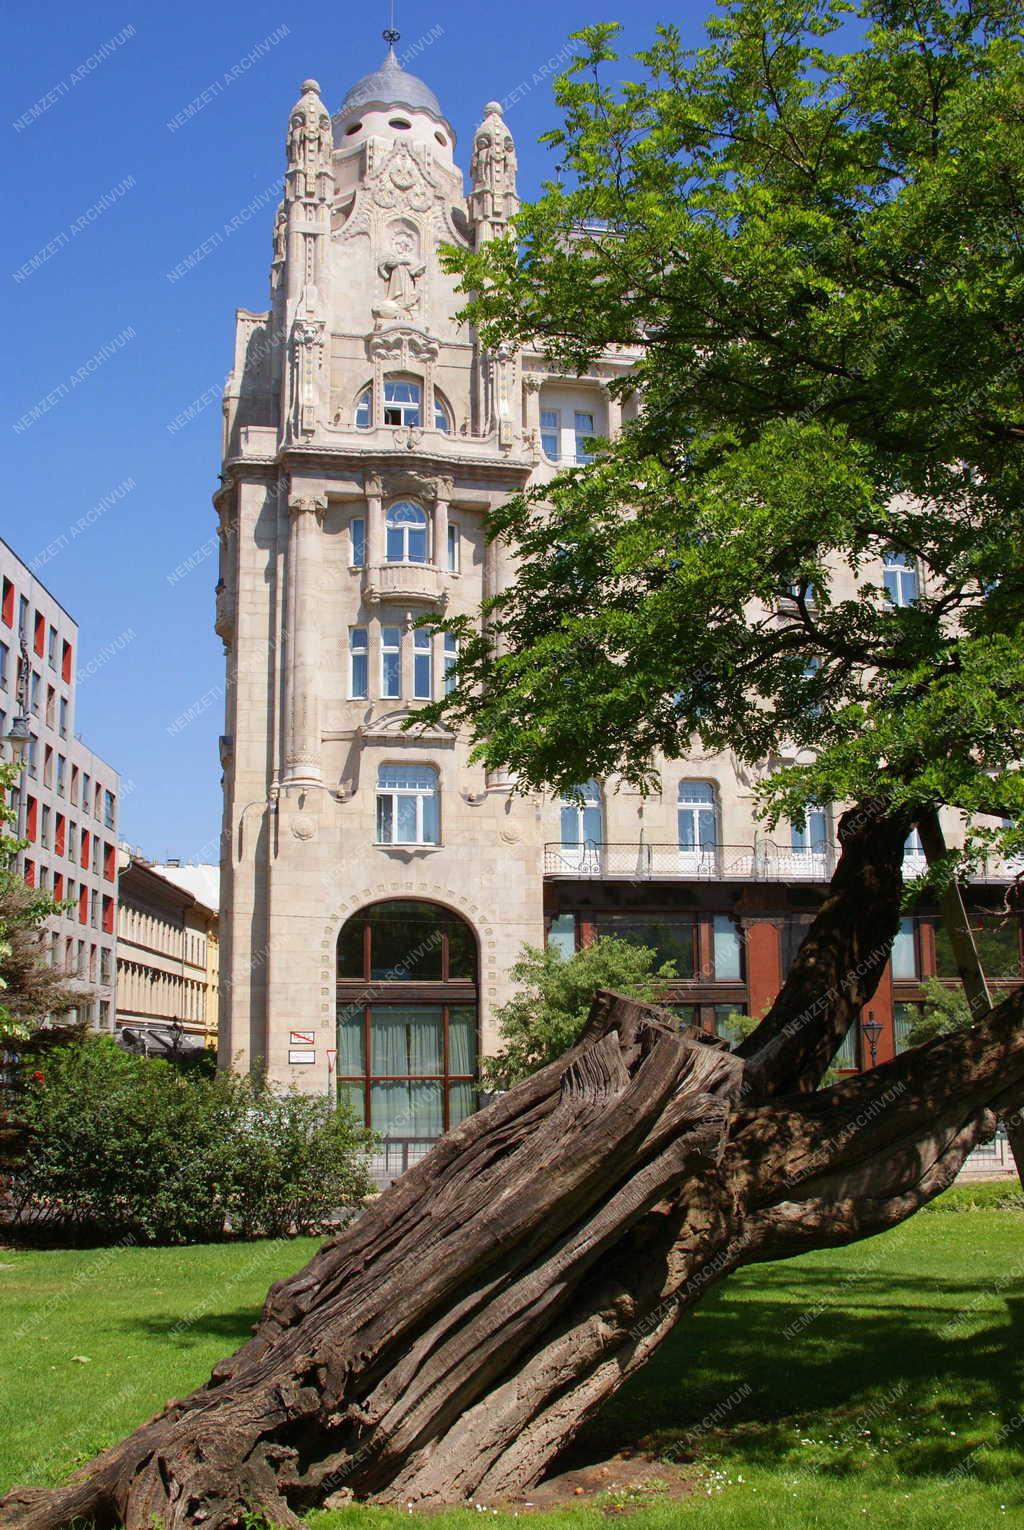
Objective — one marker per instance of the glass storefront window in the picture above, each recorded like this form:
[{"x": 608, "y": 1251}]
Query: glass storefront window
[{"x": 670, "y": 936}]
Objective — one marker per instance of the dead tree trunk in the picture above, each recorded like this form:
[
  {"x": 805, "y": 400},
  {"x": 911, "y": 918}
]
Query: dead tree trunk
[{"x": 453, "y": 1340}]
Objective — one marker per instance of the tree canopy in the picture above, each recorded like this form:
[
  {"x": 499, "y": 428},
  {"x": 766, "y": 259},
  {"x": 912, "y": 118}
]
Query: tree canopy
[{"x": 815, "y": 257}]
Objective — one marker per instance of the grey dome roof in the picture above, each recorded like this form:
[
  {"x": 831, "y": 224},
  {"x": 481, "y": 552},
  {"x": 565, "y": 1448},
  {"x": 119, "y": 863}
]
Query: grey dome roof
[{"x": 390, "y": 85}]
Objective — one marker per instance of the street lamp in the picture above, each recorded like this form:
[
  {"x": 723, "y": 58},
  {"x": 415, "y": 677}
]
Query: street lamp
[
  {"x": 17, "y": 739},
  {"x": 872, "y": 1030}
]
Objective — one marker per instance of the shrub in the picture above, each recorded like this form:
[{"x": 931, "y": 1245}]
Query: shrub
[
  {"x": 551, "y": 1007},
  {"x": 123, "y": 1144}
]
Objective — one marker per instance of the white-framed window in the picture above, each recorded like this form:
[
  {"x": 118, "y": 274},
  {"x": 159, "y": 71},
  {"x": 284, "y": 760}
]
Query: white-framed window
[
  {"x": 453, "y": 548},
  {"x": 900, "y": 577},
  {"x": 550, "y": 433},
  {"x": 35, "y": 691},
  {"x": 390, "y": 662},
  {"x": 63, "y": 714},
  {"x": 402, "y": 405},
  {"x": 583, "y": 429},
  {"x": 52, "y": 648},
  {"x": 406, "y": 528},
  {"x": 813, "y": 838},
  {"x": 913, "y": 849},
  {"x": 62, "y": 767},
  {"x": 451, "y": 658},
  {"x": 442, "y": 420},
  {"x": 407, "y": 805},
  {"x": 357, "y": 542},
  {"x": 109, "y": 803},
  {"x": 423, "y": 664},
  {"x": 582, "y": 818},
  {"x": 697, "y": 816},
  {"x": 358, "y": 663},
  {"x": 44, "y": 828}
]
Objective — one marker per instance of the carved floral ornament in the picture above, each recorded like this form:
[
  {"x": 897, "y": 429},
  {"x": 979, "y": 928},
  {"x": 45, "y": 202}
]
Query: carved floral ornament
[{"x": 426, "y": 486}]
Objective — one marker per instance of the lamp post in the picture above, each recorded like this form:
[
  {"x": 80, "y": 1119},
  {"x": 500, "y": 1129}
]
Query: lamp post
[
  {"x": 872, "y": 1030},
  {"x": 18, "y": 739}
]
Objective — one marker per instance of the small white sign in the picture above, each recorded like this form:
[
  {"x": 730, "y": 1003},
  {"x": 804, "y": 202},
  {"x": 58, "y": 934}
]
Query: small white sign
[
  {"x": 301, "y": 1055},
  {"x": 302, "y": 1039}
]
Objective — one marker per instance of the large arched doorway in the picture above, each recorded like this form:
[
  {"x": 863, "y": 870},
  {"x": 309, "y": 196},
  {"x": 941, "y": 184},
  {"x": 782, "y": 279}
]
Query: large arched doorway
[{"x": 407, "y": 1024}]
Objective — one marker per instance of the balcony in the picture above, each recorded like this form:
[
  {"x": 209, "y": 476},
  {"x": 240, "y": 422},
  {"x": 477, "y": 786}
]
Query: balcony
[
  {"x": 764, "y": 861},
  {"x": 761, "y": 862},
  {"x": 400, "y": 582}
]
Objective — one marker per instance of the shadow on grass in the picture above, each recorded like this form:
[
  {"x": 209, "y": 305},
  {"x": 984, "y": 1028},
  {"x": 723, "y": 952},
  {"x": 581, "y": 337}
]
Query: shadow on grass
[
  {"x": 916, "y": 1372},
  {"x": 190, "y": 1328}
]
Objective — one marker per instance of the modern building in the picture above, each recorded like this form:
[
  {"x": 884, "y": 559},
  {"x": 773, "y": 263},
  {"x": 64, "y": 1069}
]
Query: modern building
[
  {"x": 377, "y": 885},
  {"x": 67, "y": 800},
  {"x": 164, "y": 966}
]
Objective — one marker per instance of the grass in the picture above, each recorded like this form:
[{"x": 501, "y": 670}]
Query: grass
[{"x": 875, "y": 1385}]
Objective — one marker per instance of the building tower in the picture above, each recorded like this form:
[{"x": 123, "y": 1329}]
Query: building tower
[{"x": 367, "y": 871}]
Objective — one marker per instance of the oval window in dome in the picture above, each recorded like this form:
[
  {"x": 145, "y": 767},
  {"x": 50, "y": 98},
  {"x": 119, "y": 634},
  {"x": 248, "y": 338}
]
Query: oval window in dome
[
  {"x": 399, "y": 122},
  {"x": 353, "y": 129}
]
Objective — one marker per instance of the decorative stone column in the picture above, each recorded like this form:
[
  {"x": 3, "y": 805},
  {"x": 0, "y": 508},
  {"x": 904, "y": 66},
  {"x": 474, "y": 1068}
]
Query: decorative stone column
[
  {"x": 532, "y": 384},
  {"x": 614, "y": 407},
  {"x": 302, "y": 705},
  {"x": 373, "y": 488},
  {"x": 444, "y": 488}
]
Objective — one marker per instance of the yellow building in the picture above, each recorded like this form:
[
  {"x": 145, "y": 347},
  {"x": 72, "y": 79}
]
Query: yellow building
[{"x": 167, "y": 956}]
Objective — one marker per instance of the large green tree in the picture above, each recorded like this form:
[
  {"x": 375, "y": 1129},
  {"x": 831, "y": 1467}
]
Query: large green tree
[{"x": 810, "y": 232}]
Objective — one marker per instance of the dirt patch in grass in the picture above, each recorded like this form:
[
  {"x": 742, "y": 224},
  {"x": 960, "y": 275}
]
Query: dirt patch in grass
[{"x": 619, "y": 1485}]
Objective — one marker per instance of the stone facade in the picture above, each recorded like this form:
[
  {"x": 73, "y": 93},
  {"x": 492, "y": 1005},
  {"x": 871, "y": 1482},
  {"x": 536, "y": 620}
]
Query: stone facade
[
  {"x": 367, "y": 433},
  {"x": 68, "y": 799}
]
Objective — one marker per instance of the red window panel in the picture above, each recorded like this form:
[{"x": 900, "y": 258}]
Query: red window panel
[
  {"x": 30, "y": 874},
  {"x": 108, "y": 914},
  {"x": 83, "y": 905},
  {"x": 7, "y": 608},
  {"x": 39, "y": 641},
  {"x": 60, "y": 834},
  {"x": 84, "y": 857},
  {"x": 65, "y": 663},
  {"x": 58, "y": 886},
  {"x": 109, "y": 862},
  {"x": 31, "y": 818}
]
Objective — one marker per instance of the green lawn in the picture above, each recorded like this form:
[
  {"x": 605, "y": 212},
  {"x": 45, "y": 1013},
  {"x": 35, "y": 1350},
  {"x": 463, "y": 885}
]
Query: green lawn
[{"x": 895, "y": 1398}]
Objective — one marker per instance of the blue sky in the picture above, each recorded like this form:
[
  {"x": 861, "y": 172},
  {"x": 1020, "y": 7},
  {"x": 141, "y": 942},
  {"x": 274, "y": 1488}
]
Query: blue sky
[{"x": 106, "y": 351}]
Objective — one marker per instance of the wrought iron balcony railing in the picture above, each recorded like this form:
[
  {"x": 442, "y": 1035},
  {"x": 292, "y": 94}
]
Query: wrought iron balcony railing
[{"x": 764, "y": 861}]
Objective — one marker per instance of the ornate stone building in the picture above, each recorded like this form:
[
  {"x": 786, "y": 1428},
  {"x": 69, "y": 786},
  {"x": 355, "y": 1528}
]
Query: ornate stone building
[{"x": 376, "y": 885}]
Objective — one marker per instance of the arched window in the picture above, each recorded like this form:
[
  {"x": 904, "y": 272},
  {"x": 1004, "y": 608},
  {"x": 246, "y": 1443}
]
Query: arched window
[
  {"x": 402, "y": 404},
  {"x": 442, "y": 419},
  {"x": 407, "y": 805},
  {"x": 582, "y": 816},
  {"x": 406, "y": 528},
  {"x": 407, "y": 1025},
  {"x": 697, "y": 816}
]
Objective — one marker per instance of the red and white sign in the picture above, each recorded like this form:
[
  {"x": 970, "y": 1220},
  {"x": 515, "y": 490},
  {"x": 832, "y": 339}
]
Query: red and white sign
[
  {"x": 332, "y": 1057},
  {"x": 302, "y": 1039}
]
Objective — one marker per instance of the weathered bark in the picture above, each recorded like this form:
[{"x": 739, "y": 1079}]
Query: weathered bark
[
  {"x": 453, "y": 1340},
  {"x": 841, "y": 960}
]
